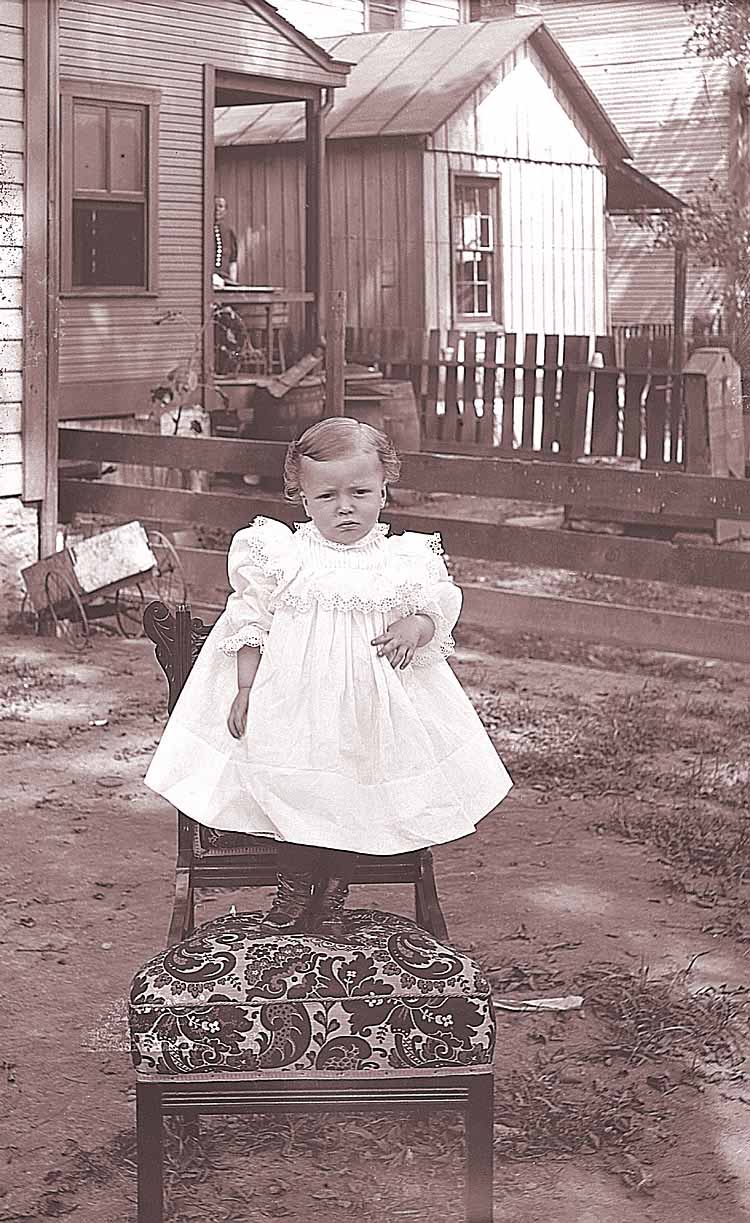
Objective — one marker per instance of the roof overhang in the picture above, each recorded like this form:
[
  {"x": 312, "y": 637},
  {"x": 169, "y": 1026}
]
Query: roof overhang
[
  {"x": 629, "y": 190},
  {"x": 325, "y": 71}
]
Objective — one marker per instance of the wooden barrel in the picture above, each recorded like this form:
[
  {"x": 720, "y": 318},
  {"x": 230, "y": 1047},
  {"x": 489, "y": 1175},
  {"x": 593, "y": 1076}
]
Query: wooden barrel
[
  {"x": 282, "y": 420},
  {"x": 365, "y": 406},
  {"x": 400, "y": 415}
]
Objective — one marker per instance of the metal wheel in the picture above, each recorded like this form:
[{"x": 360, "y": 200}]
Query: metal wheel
[
  {"x": 129, "y": 604},
  {"x": 167, "y": 581},
  {"x": 66, "y": 610}
]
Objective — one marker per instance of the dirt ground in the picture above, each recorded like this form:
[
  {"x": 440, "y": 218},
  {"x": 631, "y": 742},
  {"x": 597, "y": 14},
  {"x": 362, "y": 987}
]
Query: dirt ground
[{"x": 616, "y": 871}]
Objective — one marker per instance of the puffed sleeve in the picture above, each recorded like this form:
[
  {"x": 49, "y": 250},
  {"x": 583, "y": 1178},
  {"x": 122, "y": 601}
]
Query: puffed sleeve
[
  {"x": 434, "y": 593},
  {"x": 259, "y": 558}
]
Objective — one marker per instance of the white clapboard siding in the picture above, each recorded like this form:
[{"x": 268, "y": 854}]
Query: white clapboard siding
[
  {"x": 324, "y": 18},
  {"x": 11, "y": 243},
  {"x": 673, "y": 109},
  {"x": 419, "y": 13},
  {"x": 641, "y": 279},
  {"x": 10, "y": 448},
  {"x": 10, "y": 387},
  {"x": 10, "y": 417}
]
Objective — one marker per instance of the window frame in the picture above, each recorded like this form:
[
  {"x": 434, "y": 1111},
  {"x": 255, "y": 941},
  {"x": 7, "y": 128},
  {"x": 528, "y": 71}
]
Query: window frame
[
  {"x": 474, "y": 322},
  {"x": 72, "y": 90},
  {"x": 400, "y": 5}
]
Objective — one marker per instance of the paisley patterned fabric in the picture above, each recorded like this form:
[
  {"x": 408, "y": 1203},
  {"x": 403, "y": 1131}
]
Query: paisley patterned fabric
[{"x": 230, "y": 1000}]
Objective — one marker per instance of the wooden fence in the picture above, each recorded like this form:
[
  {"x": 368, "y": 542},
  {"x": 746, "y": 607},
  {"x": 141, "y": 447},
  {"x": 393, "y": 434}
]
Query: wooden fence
[
  {"x": 540, "y": 396},
  {"x": 664, "y": 493}
]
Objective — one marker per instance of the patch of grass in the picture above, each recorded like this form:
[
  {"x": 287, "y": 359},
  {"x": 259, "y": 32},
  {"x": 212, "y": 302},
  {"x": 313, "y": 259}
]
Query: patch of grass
[
  {"x": 705, "y": 837},
  {"x": 650, "y": 1018},
  {"x": 23, "y": 684},
  {"x": 544, "y": 1113},
  {"x": 591, "y": 745}
]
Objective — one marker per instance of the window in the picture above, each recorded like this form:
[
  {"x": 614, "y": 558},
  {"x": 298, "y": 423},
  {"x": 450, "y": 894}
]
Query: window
[
  {"x": 475, "y": 263},
  {"x": 109, "y": 172},
  {"x": 383, "y": 15}
]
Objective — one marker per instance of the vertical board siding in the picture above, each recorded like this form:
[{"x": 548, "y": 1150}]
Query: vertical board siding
[
  {"x": 123, "y": 41},
  {"x": 11, "y": 243},
  {"x": 520, "y": 112},
  {"x": 671, "y": 107},
  {"x": 552, "y": 245},
  {"x": 521, "y": 128},
  {"x": 374, "y": 223}
]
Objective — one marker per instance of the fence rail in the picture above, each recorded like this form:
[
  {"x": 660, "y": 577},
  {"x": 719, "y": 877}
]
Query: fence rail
[{"x": 663, "y": 493}]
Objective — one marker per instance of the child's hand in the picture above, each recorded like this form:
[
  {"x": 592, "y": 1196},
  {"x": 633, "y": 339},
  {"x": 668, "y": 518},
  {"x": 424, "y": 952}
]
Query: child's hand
[
  {"x": 402, "y": 638},
  {"x": 237, "y": 720}
]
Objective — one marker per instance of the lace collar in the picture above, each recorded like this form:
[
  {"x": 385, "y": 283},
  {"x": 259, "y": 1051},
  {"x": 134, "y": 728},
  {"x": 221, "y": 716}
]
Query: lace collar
[{"x": 309, "y": 531}]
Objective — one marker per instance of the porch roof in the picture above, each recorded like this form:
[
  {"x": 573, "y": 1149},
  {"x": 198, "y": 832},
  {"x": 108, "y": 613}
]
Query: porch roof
[
  {"x": 630, "y": 190},
  {"x": 409, "y": 82}
]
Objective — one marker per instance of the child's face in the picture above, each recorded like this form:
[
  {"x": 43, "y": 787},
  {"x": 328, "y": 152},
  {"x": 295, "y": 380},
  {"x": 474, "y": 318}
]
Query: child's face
[{"x": 343, "y": 496}]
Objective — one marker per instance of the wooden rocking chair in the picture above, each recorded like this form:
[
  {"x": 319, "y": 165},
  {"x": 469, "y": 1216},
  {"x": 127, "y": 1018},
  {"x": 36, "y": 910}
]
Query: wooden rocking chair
[{"x": 209, "y": 858}]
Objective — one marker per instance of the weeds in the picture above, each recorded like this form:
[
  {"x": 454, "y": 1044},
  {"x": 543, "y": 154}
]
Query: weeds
[
  {"x": 705, "y": 837},
  {"x": 23, "y": 684},
  {"x": 648, "y": 1018},
  {"x": 591, "y": 745},
  {"x": 543, "y": 1114}
]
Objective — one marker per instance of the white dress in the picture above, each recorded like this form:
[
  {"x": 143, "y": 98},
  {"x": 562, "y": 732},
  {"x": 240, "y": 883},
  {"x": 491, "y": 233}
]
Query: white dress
[{"x": 341, "y": 749}]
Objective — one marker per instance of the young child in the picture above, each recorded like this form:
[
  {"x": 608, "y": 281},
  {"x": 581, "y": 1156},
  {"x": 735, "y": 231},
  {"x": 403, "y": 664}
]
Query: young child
[{"x": 321, "y": 711}]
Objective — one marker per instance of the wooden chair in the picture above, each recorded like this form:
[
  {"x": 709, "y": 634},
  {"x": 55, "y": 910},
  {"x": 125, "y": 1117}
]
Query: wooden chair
[
  {"x": 210, "y": 858},
  {"x": 230, "y": 1021}
]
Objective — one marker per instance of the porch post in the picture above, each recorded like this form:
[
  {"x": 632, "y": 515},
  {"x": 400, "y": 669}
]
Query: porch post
[{"x": 314, "y": 186}]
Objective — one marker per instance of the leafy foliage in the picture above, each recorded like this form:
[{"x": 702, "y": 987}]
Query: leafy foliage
[{"x": 721, "y": 30}]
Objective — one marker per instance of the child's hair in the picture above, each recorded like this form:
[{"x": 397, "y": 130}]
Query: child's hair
[{"x": 338, "y": 437}]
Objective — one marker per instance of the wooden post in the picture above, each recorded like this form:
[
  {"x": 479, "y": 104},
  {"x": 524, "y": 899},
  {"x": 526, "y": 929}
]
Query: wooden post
[
  {"x": 41, "y": 277},
  {"x": 35, "y": 345},
  {"x": 335, "y": 343},
  {"x": 314, "y": 176},
  {"x": 680, "y": 291},
  {"x": 209, "y": 186}
]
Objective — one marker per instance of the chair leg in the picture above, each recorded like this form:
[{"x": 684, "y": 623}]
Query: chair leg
[
  {"x": 150, "y": 1153},
  {"x": 428, "y": 913},
  {"x": 479, "y": 1150}
]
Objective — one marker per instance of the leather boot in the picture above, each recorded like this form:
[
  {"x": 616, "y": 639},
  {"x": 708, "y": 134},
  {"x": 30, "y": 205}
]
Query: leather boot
[
  {"x": 327, "y": 909},
  {"x": 289, "y": 912}
]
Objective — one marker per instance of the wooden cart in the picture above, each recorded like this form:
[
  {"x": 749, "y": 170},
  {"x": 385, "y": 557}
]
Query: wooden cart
[{"x": 115, "y": 573}]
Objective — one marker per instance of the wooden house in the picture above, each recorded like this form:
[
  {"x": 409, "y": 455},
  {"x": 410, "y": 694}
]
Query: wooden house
[
  {"x": 468, "y": 174},
  {"x": 683, "y": 116},
  {"x": 106, "y": 225}
]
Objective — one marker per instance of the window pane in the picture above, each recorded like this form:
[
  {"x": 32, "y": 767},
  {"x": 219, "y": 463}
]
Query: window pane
[
  {"x": 474, "y": 246},
  {"x": 126, "y": 148},
  {"x": 90, "y": 145},
  {"x": 109, "y": 245}
]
